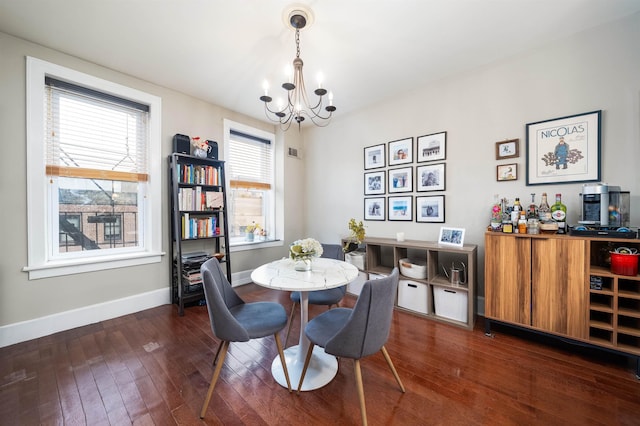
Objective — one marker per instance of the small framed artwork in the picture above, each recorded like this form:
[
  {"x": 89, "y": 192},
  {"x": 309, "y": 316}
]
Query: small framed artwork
[
  {"x": 508, "y": 149},
  {"x": 507, "y": 172},
  {"x": 374, "y": 208},
  {"x": 564, "y": 150},
  {"x": 430, "y": 177},
  {"x": 430, "y": 209},
  {"x": 374, "y": 157},
  {"x": 401, "y": 152},
  {"x": 451, "y": 236},
  {"x": 431, "y": 147},
  {"x": 400, "y": 180},
  {"x": 401, "y": 208},
  {"x": 374, "y": 183}
]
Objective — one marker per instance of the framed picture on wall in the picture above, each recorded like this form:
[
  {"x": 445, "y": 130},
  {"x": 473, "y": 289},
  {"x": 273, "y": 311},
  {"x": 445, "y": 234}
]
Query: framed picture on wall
[
  {"x": 401, "y": 152},
  {"x": 374, "y": 208},
  {"x": 430, "y": 209},
  {"x": 564, "y": 150},
  {"x": 401, "y": 208},
  {"x": 430, "y": 177},
  {"x": 507, "y": 172},
  {"x": 374, "y": 183},
  {"x": 431, "y": 147},
  {"x": 400, "y": 180},
  {"x": 508, "y": 149},
  {"x": 374, "y": 157}
]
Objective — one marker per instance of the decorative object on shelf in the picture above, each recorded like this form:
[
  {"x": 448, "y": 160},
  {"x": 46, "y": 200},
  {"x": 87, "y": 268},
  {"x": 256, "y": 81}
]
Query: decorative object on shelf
[
  {"x": 564, "y": 150},
  {"x": 401, "y": 151},
  {"x": 298, "y": 105},
  {"x": 509, "y": 148},
  {"x": 431, "y": 177},
  {"x": 200, "y": 147},
  {"x": 356, "y": 236},
  {"x": 506, "y": 172},
  {"x": 374, "y": 157},
  {"x": 251, "y": 230},
  {"x": 302, "y": 252},
  {"x": 431, "y": 147}
]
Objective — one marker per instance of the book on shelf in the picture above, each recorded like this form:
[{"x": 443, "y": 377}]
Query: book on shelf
[{"x": 198, "y": 174}]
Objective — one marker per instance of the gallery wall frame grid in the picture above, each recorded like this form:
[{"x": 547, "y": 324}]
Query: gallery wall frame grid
[
  {"x": 400, "y": 208},
  {"x": 375, "y": 183},
  {"x": 401, "y": 151},
  {"x": 374, "y": 157},
  {"x": 430, "y": 209},
  {"x": 431, "y": 147},
  {"x": 431, "y": 177},
  {"x": 374, "y": 208},
  {"x": 400, "y": 180}
]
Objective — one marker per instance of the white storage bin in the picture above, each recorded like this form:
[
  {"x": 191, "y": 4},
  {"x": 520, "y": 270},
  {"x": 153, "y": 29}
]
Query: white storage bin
[
  {"x": 413, "y": 295},
  {"x": 355, "y": 286},
  {"x": 450, "y": 303},
  {"x": 356, "y": 258},
  {"x": 413, "y": 268}
]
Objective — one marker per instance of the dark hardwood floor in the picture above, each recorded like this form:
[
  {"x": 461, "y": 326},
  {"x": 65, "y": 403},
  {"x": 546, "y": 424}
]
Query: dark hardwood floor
[{"x": 153, "y": 368}]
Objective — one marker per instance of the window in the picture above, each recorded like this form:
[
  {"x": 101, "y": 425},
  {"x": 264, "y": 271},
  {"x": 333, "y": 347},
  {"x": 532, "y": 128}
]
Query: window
[
  {"x": 89, "y": 160},
  {"x": 249, "y": 155}
]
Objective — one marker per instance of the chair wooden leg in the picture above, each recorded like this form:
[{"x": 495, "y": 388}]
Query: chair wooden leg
[
  {"x": 293, "y": 312},
  {"x": 216, "y": 373},
  {"x": 283, "y": 361},
  {"x": 306, "y": 365},
  {"x": 215, "y": 358},
  {"x": 363, "y": 408},
  {"x": 393, "y": 369}
]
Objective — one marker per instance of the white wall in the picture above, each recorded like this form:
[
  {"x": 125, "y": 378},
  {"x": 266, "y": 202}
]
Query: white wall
[{"x": 599, "y": 69}]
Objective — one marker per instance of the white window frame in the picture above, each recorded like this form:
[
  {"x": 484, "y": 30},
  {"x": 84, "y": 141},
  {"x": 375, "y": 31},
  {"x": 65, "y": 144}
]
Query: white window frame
[
  {"x": 40, "y": 264},
  {"x": 278, "y": 224}
]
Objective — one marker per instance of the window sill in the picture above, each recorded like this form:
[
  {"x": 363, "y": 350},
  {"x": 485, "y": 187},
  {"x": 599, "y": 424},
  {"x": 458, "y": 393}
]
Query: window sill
[
  {"x": 254, "y": 245},
  {"x": 79, "y": 266}
]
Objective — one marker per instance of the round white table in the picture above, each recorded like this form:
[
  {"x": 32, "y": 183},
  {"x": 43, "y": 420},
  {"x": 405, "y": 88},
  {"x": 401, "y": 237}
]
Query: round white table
[{"x": 281, "y": 275}]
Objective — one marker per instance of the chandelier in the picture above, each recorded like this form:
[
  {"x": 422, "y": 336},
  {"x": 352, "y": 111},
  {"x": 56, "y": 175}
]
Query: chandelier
[{"x": 298, "y": 106}]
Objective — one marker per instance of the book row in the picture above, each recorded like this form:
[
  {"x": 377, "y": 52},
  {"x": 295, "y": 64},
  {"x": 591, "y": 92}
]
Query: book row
[
  {"x": 198, "y": 199},
  {"x": 198, "y": 174},
  {"x": 198, "y": 227}
]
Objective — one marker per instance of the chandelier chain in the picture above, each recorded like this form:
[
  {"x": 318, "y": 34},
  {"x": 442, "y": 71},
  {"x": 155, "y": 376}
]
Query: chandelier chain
[{"x": 297, "y": 43}]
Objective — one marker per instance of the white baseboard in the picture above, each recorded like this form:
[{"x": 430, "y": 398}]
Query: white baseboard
[
  {"x": 241, "y": 278},
  {"x": 39, "y": 327}
]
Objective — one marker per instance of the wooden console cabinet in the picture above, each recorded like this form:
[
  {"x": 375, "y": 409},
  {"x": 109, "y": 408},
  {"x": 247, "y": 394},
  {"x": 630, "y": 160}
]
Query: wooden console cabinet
[
  {"x": 543, "y": 283},
  {"x": 383, "y": 254}
]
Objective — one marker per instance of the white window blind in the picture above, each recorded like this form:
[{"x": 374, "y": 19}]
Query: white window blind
[
  {"x": 250, "y": 160},
  {"x": 93, "y": 135}
]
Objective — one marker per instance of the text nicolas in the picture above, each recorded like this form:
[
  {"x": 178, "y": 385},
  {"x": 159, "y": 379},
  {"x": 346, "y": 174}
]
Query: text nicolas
[{"x": 562, "y": 131}]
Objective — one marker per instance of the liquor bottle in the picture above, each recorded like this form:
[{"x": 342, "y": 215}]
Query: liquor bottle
[
  {"x": 522, "y": 223},
  {"x": 515, "y": 214},
  {"x": 559, "y": 214},
  {"x": 507, "y": 226},
  {"x": 544, "y": 212},
  {"x": 533, "y": 209}
]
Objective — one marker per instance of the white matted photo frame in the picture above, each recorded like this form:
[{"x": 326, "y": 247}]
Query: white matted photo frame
[
  {"x": 400, "y": 180},
  {"x": 400, "y": 208},
  {"x": 451, "y": 236},
  {"x": 401, "y": 152},
  {"x": 506, "y": 172},
  {"x": 374, "y": 208},
  {"x": 374, "y": 157},
  {"x": 430, "y": 177},
  {"x": 508, "y": 149},
  {"x": 431, "y": 147},
  {"x": 430, "y": 209},
  {"x": 564, "y": 150},
  {"x": 374, "y": 183}
]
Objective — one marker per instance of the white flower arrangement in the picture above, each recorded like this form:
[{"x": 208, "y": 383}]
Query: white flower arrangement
[{"x": 305, "y": 249}]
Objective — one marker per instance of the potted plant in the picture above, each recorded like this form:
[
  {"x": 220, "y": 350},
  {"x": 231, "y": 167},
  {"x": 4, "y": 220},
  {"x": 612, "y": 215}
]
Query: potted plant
[
  {"x": 356, "y": 236},
  {"x": 250, "y": 231}
]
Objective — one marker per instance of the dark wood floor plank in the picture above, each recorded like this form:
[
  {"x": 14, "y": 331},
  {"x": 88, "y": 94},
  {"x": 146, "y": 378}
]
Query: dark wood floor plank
[{"x": 154, "y": 367}]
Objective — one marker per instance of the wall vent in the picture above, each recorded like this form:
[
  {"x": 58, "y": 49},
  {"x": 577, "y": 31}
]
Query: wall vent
[{"x": 294, "y": 152}]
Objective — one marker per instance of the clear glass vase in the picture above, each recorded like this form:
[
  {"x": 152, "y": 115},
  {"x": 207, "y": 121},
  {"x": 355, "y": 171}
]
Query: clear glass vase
[{"x": 302, "y": 264}]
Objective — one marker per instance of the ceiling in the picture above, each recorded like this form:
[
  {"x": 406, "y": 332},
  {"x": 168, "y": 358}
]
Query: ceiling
[{"x": 368, "y": 50}]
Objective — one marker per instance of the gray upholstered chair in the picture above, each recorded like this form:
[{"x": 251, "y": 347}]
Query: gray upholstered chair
[
  {"x": 233, "y": 320},
  {"x": 358, "y": 332},
  {"x": 329, "y": 297}
]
